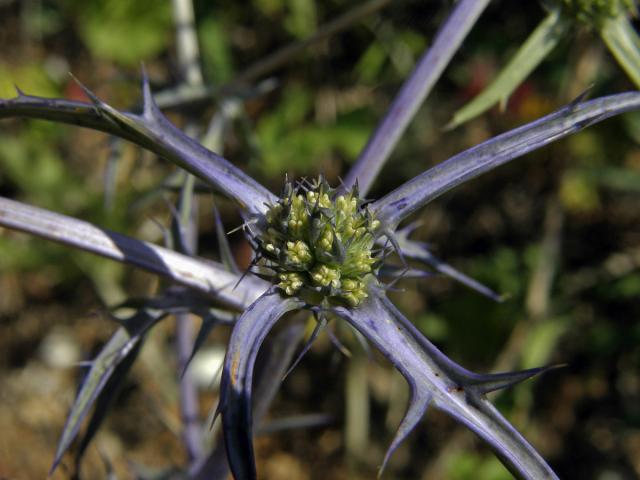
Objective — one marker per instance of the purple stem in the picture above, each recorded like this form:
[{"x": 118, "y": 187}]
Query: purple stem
[
  {"x": 187, "y": 223},
  {"x": 413, "y": 93},
  {"x": 205, "y": 276},
  {"x": 191, "y": 433},
  {"x": 186, "y": 226}
]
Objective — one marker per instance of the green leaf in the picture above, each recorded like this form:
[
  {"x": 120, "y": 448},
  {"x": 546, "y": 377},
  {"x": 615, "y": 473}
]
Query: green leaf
[
  {"x": 624, "y": 44},
  {"x": 543, "y": 39}
]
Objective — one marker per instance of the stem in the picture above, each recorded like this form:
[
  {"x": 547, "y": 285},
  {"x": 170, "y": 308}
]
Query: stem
[
  {"x": 413, "y": 93},
  {"x": 152, "y": 131},
  {"x": 189, "y": 411},
  {"x": 187, "y": 224},
  {"x": 187, "y": 42},
  {"x": 417, "y": 192},
  {"x": 205, "y": 276}
]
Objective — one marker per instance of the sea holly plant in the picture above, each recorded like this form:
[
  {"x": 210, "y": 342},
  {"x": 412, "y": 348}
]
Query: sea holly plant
[{"x": 318, "y": 248}]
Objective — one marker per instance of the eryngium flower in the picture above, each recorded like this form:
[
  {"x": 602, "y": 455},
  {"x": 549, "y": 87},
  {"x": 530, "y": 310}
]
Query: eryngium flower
[{"x": 318, "y": 243}]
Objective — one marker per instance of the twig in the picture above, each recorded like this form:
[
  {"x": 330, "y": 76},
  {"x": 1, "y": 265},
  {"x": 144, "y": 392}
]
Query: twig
[{"x": 189, "y": 61}]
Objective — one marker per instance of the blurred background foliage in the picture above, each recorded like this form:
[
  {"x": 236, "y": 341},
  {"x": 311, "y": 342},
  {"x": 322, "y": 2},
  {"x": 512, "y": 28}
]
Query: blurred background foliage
[{"x": 557, "y": 232}]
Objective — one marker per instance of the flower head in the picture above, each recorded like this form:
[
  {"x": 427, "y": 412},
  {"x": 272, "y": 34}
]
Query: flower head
[{"x": 318, "y": 243}]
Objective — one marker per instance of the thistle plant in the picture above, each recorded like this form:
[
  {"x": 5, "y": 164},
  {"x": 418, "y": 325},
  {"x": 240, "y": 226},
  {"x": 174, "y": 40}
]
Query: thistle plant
[{"x": 317, "y": 248}]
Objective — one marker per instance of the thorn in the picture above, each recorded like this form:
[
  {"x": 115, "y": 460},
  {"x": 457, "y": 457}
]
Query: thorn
[
  {"x": 418, "y": 404},
  {"x": 234, "y": 230},
  {"x": 253, "y": 263},
  {"x": 396, "y": 247},
  {"x": 20, "y": 93},
  {"x": 222, "y": 236},
  {"x": 338, "y": 344},
  {"x": 149, "y": 107},
  {"x": 496, "y": 381},
  {"x": 216, "y": 414},
  {"x": 244, "y": 225},
  {"x": 390, "y": 286},
  {"x": 103, "y": 109},
  {"x": 90, "y": 95},
  {"x": 321, "y": 322},
  {"x": 580, "y": 98}
]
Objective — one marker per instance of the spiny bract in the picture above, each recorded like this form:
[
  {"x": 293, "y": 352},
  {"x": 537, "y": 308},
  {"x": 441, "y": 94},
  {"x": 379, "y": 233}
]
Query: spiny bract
[{"x": 317, "y": 243}]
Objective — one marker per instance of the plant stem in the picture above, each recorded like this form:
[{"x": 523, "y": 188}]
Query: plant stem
[
  {"x": 205, "y": 276},
  {"x": 187, "y": 224}
]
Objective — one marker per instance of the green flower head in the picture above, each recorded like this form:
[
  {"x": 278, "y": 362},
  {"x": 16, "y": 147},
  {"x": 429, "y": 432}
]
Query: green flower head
[{"x": 317, "y": 243}]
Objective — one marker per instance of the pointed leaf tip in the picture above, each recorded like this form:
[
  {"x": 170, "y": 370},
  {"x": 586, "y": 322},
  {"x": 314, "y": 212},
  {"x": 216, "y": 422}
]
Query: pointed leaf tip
[
  {"x": 430, "y": 372},
  {"x": 150, "y": 108},
  {"x": 492, "y": 382},
  {"x": 90, "y": 95},
  {"x": 318, "y": 328},
  {"x": 418, "y": 404}
]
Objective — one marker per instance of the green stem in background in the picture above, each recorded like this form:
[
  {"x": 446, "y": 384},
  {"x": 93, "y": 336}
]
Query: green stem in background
[{"x": 624, "y": 44}]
